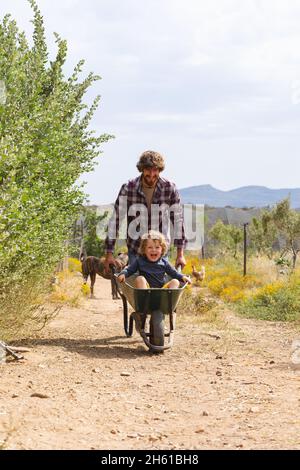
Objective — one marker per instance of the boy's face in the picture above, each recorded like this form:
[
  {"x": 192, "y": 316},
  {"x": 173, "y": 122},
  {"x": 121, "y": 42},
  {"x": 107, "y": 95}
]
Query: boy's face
[
  {"x": 150, "y": 176},
  {"x": 153, "y": 250}
]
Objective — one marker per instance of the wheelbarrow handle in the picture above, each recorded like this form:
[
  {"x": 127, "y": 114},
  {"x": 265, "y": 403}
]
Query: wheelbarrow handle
[
  {"x": 179, "y": 270},
  {"x": 115, "y": 278},
  {"x": 128, "y": 325},
  {"x": 113, "y": 268}
]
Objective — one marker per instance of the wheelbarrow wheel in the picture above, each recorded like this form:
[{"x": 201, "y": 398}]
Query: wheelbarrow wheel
[{"x": 157, "y": 328}]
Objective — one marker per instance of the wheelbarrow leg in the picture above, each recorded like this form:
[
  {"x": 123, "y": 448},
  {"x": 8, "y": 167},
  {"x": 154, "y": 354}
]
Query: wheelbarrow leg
[
  {"x": 140, "y": 321},
  {"x": 128, "y": 325}
]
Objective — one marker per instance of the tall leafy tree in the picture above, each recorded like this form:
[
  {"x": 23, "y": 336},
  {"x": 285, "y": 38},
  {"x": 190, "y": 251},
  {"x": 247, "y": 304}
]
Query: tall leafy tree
[
  {"x": 93, "y": 245},
  {"x": 263, "y": 233},
  {"x": 228, "y": 237},
  {"x": 287, "y": 221},
  {"x": 45, "y": 145}
]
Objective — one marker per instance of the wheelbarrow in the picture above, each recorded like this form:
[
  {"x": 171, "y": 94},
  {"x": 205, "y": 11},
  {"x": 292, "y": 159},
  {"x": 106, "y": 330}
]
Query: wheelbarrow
[{"x": 151, "y": 307}]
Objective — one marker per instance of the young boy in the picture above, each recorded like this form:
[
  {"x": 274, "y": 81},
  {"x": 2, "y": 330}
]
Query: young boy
[{"x": 151, "y": 265}]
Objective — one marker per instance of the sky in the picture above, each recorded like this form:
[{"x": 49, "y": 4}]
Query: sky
[{"x": 213, "y": 86}]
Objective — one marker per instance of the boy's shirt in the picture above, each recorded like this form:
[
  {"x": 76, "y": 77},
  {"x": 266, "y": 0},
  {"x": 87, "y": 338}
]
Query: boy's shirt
[{"x": 153, "y": 272}]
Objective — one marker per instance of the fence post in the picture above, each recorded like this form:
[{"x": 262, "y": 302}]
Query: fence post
[{"x": 245, "y": 248}]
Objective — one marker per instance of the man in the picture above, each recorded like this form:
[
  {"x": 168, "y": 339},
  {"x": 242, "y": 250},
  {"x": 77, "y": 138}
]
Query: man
[{"x": 149, "y": 202}]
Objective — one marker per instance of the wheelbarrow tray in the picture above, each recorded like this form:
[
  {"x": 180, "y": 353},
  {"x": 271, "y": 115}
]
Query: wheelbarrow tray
[
  {"x": 151, "y": 299},
  {"x": 155, "y": 302}
]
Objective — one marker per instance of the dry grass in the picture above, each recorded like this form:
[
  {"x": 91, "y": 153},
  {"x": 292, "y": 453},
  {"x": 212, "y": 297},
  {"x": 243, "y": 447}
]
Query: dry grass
[
  {"x": 23, "y": 309},
  {"x": 68, "y": 289},
  {"x": 199, "y": 308},
  {"x": 264, "y": 268},
  {"x": 267, "y": 292},
  {"x": 29, "y": 306}
]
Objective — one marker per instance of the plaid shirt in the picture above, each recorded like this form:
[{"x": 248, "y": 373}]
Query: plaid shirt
[{"x": 165, "y": 194}]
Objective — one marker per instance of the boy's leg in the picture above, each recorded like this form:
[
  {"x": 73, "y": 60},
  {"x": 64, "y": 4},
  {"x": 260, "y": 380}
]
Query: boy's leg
[
  {"x": 141, "y": 283},
  {"x": 174, "y": 284}
]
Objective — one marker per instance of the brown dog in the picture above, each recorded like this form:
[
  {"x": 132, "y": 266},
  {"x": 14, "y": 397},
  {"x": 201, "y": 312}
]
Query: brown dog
[{"x": 91, "y": 266}]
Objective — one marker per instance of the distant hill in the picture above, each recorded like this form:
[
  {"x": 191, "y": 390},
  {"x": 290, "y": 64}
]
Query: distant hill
[{"x": 247, "y": 196}]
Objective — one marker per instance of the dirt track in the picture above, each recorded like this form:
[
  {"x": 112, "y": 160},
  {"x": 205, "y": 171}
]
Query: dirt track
[{"x": 104, "y": 391}]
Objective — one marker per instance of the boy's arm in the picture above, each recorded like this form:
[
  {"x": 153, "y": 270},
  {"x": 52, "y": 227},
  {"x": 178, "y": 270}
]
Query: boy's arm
[
  {"x": 173, "y": 273},
  {"x": 131, "y": 269}
]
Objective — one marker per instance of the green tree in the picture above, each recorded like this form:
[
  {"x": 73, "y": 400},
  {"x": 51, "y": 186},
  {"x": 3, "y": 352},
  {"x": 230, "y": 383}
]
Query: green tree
[
  {"x": 45, "y": 145},
  {"x": 287, "y": 222},
  {"x": 263, "y": 234},
  {"x": 93, "y": 245},
  {"x": 228, "y": 237}
]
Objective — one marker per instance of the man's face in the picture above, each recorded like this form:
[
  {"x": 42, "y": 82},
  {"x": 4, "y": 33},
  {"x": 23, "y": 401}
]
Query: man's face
[{"x": 150, "y": 176}]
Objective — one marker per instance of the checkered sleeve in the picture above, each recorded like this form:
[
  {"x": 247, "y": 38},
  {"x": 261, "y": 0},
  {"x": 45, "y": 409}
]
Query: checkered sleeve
[
  {"x": 114, "y": 222},
  {"x": 177, "y": 219}
]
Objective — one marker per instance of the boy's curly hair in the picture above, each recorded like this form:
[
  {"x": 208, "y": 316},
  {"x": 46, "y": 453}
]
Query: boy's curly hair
[
  {"x": 152, "y": 235},
  {"x": 150, "y": 159}
]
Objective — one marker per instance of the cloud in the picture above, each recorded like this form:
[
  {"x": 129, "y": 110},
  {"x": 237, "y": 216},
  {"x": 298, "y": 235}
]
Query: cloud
[{"x": 218, "y": 76}]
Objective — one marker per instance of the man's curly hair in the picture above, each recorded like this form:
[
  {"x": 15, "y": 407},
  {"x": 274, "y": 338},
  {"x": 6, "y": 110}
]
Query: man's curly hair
[{"x": 150, "y": 159}]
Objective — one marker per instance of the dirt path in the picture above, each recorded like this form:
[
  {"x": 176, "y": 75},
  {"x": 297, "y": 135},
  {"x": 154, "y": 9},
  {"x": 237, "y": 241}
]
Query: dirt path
[{"x": 104, "y": 391}]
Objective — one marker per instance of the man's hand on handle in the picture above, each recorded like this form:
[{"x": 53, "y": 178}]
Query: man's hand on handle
[
  {"x": 187, "y": 279},
  {"x": 180, "y": 261},
  {"x": 121, "y": 278}
]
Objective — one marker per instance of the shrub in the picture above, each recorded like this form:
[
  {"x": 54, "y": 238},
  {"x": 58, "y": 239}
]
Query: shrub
[
  {"x": 86, "y": 290},
  {"x": 74, "y": 265},
  {"x": 275, "y": 302},
  {"x": 228, "y": 284},
  {"x": 67, "y": 291},
  {"x": 28, "y": 302},
  {"x": 195, "y": 304},
  {"x": 45, "y": 145},
  {"x": 232, "y": 294}
]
